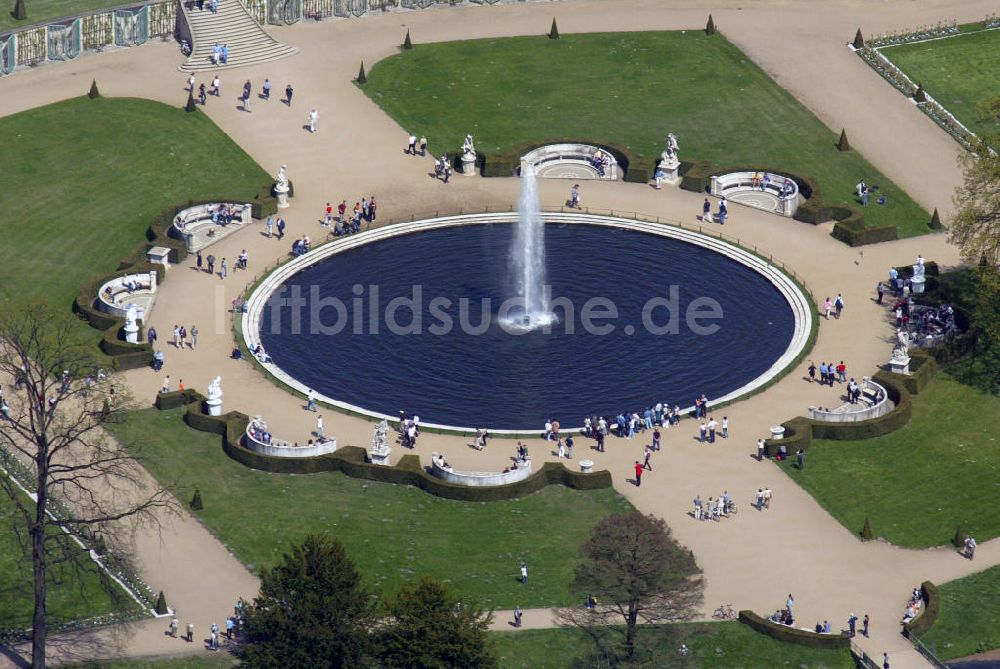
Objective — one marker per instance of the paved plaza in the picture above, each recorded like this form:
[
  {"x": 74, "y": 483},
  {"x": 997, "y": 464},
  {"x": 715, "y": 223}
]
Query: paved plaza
[{"x": 752, "y": 560}]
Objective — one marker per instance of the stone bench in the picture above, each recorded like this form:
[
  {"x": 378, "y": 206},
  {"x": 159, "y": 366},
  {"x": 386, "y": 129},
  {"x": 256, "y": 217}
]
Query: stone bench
[
  {"x": 195, "y": 227},
  {"x": 279, "y": 448},
  {"x": 868, "y": 407},
  {"x": 114, "y": 296},
  {"x": 476, "y": 479},
  {"x": 739, "y": 187},
  {"x": 569, "y": 161}
]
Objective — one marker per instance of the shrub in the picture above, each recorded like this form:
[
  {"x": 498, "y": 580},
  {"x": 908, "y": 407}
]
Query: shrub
[
  {"x": 554, "y": 30},
  {"x": 94, "y": 93},
  {"x": 794, "y": 635},
  {"x": 919, "y": 95},
  {"x": 710, "y": 28},
  {"x": 196, "y": 503},
  {"x": 842, "y": 143},
  {"x": 407, "y": 44},
  {"x": 866, "y": 531},
  {"x": 20, "y": 13},
  {"x": 190, "y": 106},
  {"x": 932, "y": 609},
  {"x": 362, "y": 77},
  {"x": 936, "y": 221},
  {"x": 958, "y": 541},
  {"x": 859, "y": 40},
  {"x": 161, "y": 604},
  {"x": 856, "y": 233}
]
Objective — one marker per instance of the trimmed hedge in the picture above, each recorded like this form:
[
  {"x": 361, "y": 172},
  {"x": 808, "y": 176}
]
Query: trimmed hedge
[
  {"x": 800, "y": 431},
  {"x": 923, "y": 368},
  {"x": 793, "y": 635},
  {"x": 932, "y": 609},
  {"x": 352, "y": 460},
  {"x": 635, "y": 168},
  {"x": 850, "y": 225}
]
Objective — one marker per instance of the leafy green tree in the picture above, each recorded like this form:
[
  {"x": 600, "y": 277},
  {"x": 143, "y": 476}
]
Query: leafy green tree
[
  {"x": 975, "y": 227},
  {"x": 637, "y": 573},
  {"x": 429, "y": 628},
  {"x": 312, "y": 611},
  {"x": 981, "y": 367}
]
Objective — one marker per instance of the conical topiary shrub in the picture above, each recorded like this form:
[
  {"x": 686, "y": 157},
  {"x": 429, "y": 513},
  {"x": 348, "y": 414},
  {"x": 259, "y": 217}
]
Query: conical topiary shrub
[
  {"x": 190, "y": 106},
  {"x": 859, "y": 40},
  {"x": 919, "y": 95},
  {"x": 842, "y": 143},
  {"x": 936, "y": 221},
  {"x": 161, "y": 604},
  {"x": 554, "y": 30},
  {"x": 20, "y": 12},
  {"x": 94, "y": 93},
  {"x": 866, "y": 531},
  {"x": 958, "y": 541},
  {"x": 362, "y": 77},
  {"x": 196, "y": 503},
  {"x": 407, "y": 43},
  {"x": 710, "y": 28}
]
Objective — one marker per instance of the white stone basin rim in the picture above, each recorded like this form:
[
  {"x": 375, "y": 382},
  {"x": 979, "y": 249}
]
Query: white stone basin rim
[{"x": 799, "y": 303}]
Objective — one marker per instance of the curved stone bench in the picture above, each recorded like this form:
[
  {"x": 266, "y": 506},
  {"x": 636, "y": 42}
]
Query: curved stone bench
[
  {"x": 283, "y": 449},
  {"x": 116, "y": 303},
  {"x": 195, "y": 227},
  {"x": 738, "y": 187},
  {"x": 870, "y": 407},
  {"x": 475, "y": 479},
  {"x": 569, "y": 161}
]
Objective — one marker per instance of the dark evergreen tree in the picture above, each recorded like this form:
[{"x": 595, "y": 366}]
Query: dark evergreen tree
[
  {"x": 710, "y": 28},
  {"x": 362, "y": 77},
  {"x": 20, "y": 12},
  {"x": 407, "y": 43},
  {"x": 842, "y": 143},
  {"x": 554, "y": 30},
  {"x": 859, "y": 40},
  {"x": 94, "y": 93}
]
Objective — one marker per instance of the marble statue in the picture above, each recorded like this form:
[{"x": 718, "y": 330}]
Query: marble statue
[
  {"x": 899, "y": 351},
  {"x": 918, "y": 270},
  {"x": 380, "y": 440},
  {"x": 671, "y": 149},
  {"x": 281, "y": 180},
  {"x": 215, "y": 388},
  {"x": 468, "y": 147},
  {"x": 131, "y": 316}
]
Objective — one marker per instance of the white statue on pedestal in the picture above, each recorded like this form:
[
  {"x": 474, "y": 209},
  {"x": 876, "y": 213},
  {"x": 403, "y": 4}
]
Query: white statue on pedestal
[
  {"x": 380, "y": 450},
  {"x": 131, "y": 326},
  {"x": 670, "y": 151},
  {"x": 281, "y": 180},
  {"x": 900, "y": 350},
  {"x": 215, "y": 389},
  {"x": 468, "y": 147},
  {"x": 918, "y": 270}
]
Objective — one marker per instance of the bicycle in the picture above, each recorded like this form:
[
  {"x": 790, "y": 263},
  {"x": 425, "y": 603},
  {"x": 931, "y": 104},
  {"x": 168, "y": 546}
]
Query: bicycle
[{"x": 724, "y": 612}]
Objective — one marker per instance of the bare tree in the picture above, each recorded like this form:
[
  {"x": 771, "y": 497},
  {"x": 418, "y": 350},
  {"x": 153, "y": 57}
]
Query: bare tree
[
  {"x": 633, "y": 573},
  {"x": 975, "y": 227},
  {"x": 51, "y": 433}
]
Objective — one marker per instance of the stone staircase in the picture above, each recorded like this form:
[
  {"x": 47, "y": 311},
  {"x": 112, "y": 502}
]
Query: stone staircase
[{"x": 232, "y": 24}]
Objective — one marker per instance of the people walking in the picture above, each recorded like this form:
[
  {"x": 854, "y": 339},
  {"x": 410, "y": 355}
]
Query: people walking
[
  {"x": 879, "y": 289},
  {"x": 288, "y": 95},
  {"x": 706, "y": 211},
  {"x": 310, "y": 401},
  {"x": 574, "y": 196},
  {"x": 723, "y": 211},
  {"x": 174, "y": 624},
  {"x": 194, "y": 337},
  {"x": 517, "y": 616},
  {"x": 852, "y": 622},
  {"x": 266, "y": 90},
  {"x": 524, "y": 573},
  {"x": 313, "y": 117},
  {"x": 864, "y": 626},
  {"x": 319, "y": 427},
  {"x": 638, "y": 474},
  {"x": 647, "y": 453}
]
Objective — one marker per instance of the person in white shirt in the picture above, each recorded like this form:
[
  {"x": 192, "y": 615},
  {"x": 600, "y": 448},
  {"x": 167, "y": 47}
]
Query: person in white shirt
[{"x": 313, "y": 116}]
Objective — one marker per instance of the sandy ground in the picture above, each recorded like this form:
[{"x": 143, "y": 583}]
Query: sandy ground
[{"x": 753, "y": 560}]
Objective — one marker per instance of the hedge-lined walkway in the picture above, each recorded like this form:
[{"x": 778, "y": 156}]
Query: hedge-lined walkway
[{"x": 753, "y": 560}]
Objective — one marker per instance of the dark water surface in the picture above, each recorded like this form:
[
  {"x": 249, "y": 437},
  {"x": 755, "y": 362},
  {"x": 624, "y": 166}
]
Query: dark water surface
[{"x": 505, "y": 380}]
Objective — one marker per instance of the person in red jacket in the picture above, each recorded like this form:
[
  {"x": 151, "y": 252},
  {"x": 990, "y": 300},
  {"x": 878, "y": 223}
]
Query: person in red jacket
[{"x": 638, "y": 473}]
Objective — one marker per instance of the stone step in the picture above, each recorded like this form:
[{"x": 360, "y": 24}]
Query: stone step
[{"x": 232, "y": 25}]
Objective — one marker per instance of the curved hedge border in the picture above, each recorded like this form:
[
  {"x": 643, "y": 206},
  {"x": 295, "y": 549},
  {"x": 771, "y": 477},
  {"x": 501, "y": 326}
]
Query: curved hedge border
[
  {"x": 850, "y": 225},
  {"x": 800, "y": 431},
  {"x": 352, "y": 460},
  {"x": 787, "y": 634},
  {"x": 635, "y": 168},
  {"x": 932, "y": 609},
  {"x": 132, "y": 356}
]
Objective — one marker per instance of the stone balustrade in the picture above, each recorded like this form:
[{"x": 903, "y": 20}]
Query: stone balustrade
[
  {"x": 196, "y": 227},
  {"x": 253, "y": 439},
  {"x": 115, "y": 296},
  {"x": 442, "y": 470},
  {"x": 739, "y": 187},
  {"x": 873, "y": 403},
  {"x": 570, "y": 161}
]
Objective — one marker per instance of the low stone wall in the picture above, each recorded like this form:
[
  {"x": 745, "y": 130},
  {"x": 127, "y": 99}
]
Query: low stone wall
[
  {"x": 143, "y": 297},
  {"x": 278, "y": 448},
  {"x": 570, "y": 161},
  {"x": 476, "y": 479},
  {"x": 871, "y": 411},
  {"x": 193, "y": 225},
  {"x": 743, "y": 182}
]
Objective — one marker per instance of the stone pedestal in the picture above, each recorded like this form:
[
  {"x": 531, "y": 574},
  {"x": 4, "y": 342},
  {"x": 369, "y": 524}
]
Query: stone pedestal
[
  {"x": 159, "y": 255},
  {"x": 586, "y": 466},
  {"x": 671, "y": 170},
  {"x": 381, "y": 457},
  {"x": 214, "y": 405},
  {"x": 917, "y": 285},
  {"x": 469, "y": 164},
  {"x": 777, "y": 432},
  {"x": 900, "y": 365},
  {"x": 281, "y": 193},
  {"x": 131, "y": 333}
]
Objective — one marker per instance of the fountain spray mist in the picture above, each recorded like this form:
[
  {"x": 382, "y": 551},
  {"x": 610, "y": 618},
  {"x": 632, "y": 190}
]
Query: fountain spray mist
[{"x": 528, "y": 254}]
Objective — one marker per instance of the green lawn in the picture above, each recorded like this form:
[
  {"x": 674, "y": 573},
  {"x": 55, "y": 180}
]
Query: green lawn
[
  {"x": 627, "y": 88},
  {"x": 959, "y": 72},
  {"x": 213, "y": 661},
  {"x": 918, "y": 483},
  {"x": 83, "y": 178},
  {"x": 71, "y": 595},
  {"x": 970, "y": 616},
  {"x": 392, "y": 532},
  {"x": 48, "y": 10},
  {"x": 712, "y": 646}
]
